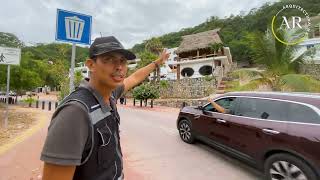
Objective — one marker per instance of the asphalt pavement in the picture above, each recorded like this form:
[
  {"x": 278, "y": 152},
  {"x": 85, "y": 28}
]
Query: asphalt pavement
[{"x": 154, "y": 150}]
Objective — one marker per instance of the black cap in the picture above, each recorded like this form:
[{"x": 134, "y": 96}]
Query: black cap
[{"x": 102, "y": 45}]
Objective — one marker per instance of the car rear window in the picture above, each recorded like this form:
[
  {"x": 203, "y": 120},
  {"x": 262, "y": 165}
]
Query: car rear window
[
  {"x": 261, "y": 108},
  {"x": 302, "y": 113}
]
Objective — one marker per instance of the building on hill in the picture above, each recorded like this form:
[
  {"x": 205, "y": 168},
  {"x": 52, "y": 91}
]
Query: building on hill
[
  {"x": 313, "y": 40},
  {"x": 133, "y": 64},
  {"x": 83, "y": 69},
  {"x": 196, "y": 59},
  {"x": 168, "y": 70}
]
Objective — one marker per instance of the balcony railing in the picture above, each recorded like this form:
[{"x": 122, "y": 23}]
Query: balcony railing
[{"x": 200, "y": 57}]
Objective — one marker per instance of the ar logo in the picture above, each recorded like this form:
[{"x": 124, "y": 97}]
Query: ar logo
[
  {"x": 295, "y": 22},
  {"x": 2, "y": 57},
  {"x": 294, "y": 28}
]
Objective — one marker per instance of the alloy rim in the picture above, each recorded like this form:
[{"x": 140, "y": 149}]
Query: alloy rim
[
  {"x": 185, "y": 131},
  {"x": 283, "y": 170}
]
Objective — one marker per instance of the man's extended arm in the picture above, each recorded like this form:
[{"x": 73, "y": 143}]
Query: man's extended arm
[
  {"x": 217, "y": 106},
  {"x": 142, "y": 73}
]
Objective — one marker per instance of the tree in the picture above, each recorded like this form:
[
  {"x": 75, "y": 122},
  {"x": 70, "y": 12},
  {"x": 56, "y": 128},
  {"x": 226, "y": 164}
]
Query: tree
[
  {"x": 216, "y": 47},
  {"x": 146, "y": 57},
  {"x": 280, "y": 61},
  {"x": 146, "y": 91},
  {"x": 10, "y": 40},
  {"x": 65, "y": 84},
  {"x": 154, "y": 45}
]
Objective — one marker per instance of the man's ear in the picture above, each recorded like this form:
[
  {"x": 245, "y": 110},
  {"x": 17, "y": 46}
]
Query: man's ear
[{"x": 90, "y": 63}]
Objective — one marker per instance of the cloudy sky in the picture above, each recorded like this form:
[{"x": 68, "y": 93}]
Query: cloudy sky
[{"x": 131, "y": 21}]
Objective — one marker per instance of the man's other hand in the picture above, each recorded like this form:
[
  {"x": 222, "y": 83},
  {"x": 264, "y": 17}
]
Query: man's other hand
[{"x": 163, "y": 57}]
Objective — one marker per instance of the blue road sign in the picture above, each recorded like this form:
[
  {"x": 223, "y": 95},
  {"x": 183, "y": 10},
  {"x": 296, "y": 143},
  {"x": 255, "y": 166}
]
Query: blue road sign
[{"x": 73, "y": 27}]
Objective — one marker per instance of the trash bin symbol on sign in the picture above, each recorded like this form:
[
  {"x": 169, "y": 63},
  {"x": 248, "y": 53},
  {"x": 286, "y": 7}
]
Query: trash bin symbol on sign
[{"x": 74, "y": 27}]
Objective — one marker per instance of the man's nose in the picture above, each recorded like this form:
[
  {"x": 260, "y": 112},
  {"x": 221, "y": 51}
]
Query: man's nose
[{"x": 118, "y": 65}]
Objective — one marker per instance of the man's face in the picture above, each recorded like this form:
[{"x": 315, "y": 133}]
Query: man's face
[{"x": 109, "y": 69}]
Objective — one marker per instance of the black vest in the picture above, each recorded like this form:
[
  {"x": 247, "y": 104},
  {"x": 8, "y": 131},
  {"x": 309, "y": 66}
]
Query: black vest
[{"x": 102, "y": 156}]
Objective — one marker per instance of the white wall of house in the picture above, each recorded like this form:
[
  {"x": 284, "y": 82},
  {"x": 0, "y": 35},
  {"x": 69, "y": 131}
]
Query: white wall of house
[
  {"x": 172, "y": 56},
  {"x": 195, "y": 67},
  {"x": 84, "y": 70},
  {"x": 165, "y": 71},
  {"x": 197, "y": 64},
  {"x": 306, "y": 45}
]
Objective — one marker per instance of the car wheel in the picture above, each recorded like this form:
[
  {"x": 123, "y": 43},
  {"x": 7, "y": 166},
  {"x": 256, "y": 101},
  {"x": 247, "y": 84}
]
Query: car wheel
[
  {"x": 185, "y": 131},
  {"x": 285, "y": 167}
]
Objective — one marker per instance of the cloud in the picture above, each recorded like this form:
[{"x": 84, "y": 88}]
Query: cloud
[{"x": 131, "y": 21}]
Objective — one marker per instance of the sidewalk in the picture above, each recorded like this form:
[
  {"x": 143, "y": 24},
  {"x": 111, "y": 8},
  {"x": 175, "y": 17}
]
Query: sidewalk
[
  {"x": 21, "y": 161},
  {"x": 129, "y": 104}
]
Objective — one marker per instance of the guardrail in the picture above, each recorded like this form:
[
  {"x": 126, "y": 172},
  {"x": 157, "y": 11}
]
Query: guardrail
[
  {"x": 145, "y": 102},
  {"x": 44, "y": 105},
  {"x": 11, "y": 99},
  {"x": 52, "y": 105}
]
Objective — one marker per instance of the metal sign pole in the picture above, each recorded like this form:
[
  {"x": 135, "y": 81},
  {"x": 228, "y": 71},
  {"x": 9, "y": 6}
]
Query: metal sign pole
[
  {"x": 7, "y": 101},
  {"x": 72, "y": 67}
]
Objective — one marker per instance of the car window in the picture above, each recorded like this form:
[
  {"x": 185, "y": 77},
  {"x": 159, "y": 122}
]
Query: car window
[
  {"x": 262, "y": 109},
  {"x": 227, "y": 103},
  {"x": 302, "y": 113},
  {"x": 208, "y": 107}
]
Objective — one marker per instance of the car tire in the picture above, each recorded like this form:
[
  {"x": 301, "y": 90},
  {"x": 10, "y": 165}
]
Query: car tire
[
  {"x": 282, "y": 165},
  {"x": 185, "y": 131}
]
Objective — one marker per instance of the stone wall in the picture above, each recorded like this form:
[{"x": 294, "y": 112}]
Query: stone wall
[
  {"x": 188, "y": 88},
  {"x": 311, "y": 69}
]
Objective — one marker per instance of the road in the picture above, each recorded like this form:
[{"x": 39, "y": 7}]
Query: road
[{"x": 153, "y": 148}]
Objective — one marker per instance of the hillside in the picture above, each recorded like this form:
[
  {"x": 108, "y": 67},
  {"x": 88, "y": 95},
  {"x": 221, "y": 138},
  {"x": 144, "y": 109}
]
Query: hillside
[{"x": 234, "y": 29}]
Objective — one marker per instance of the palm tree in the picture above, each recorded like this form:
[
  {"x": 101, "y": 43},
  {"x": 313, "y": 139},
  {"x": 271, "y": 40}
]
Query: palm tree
[
  {"x": 146, "y": 58},
  {"x": 280, "y": 61},
  {"x": 155, "y": 46},
  {"x": 215, "y": 47}
]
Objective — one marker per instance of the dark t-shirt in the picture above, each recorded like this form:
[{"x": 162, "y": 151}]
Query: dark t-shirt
[{"x": 68, "y": 131}]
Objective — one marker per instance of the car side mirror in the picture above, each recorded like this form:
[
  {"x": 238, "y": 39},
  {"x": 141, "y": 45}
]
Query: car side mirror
[{"x": 200, "y": 108}]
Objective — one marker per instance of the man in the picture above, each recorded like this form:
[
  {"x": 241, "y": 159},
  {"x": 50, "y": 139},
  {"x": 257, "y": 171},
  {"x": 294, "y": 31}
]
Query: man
[{"x": 83, "y": 136}]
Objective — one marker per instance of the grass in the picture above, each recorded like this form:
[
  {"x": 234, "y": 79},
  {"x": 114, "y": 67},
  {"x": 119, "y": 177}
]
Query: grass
[
  {"x": 300, "y": 83},
  {"x": 235, "y": 86},
  {"x": 290, "y": 82},
  {"x": 18, "y": 121}
]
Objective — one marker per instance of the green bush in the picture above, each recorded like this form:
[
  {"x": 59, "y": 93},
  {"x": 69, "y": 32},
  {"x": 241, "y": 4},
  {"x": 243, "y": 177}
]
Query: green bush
[
  {"x": 300, "y": 83},
  {"x": 208, "y": 77},
  {"x": 289, "y": 82},
  {"x": 29, "y": 100},
  {"x": 146, "y": 91},
  {"x": 65, "y": 84}
]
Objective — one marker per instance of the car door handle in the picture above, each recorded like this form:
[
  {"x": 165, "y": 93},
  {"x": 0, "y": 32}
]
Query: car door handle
[
  {"x": 221, "y": 121},
  {"x": 197, "y": 116},
  {"x": 270, "y": 131}
]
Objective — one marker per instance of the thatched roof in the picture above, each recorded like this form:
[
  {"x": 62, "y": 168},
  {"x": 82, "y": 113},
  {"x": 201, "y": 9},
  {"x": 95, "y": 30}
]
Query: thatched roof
[{"x": 198, "y": 41}]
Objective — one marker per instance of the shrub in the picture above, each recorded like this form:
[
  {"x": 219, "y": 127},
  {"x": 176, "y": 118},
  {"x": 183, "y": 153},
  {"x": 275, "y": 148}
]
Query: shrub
[
  {"x": 29, "y": 100},
  {"x": 208, "y": 77},
  {"x": 146, "y": 91},
  {"x": 164, "y": 84}
]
